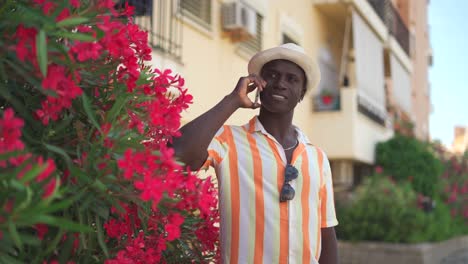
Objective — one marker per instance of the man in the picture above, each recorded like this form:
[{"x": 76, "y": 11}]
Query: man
[{"x": 275, "y": 187}]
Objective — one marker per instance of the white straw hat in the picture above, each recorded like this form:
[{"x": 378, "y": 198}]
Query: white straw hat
[{"x": 290, "y": 52}]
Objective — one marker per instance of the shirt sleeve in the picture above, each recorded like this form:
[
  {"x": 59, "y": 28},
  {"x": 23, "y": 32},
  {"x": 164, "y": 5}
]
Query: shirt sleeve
[
  {"x": 327, "y": 202},
  {"x": 217, "y": 150}
]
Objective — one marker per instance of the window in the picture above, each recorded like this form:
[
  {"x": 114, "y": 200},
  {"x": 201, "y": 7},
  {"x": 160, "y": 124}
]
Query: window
[
  {"x": 157, "y": 17},
  {"x": 197, "y": 10},
  {"x": 254, "y": 44},
  {"x": 287, "y": 39},
  {"x": 328, "y": 97}
]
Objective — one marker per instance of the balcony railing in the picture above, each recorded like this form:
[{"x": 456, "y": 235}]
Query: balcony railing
[
  {"x": 392, "y": 19},
  {"x": 159, "y": 19}
]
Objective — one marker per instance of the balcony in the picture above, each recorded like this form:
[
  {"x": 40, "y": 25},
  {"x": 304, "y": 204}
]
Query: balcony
[
  {"x": 381, "y": 16},
  {"x": 327, "y": 102},
  {"x": 393, "y": 21},
  {"x": 349, "y": 133}
]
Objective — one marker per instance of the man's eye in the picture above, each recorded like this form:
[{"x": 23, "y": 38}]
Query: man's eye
[{"x": 273, "y": 75}]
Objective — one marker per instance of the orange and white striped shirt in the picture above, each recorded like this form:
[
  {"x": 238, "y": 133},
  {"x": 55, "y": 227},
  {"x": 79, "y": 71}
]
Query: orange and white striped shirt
[{"x": 255, "y": 226}]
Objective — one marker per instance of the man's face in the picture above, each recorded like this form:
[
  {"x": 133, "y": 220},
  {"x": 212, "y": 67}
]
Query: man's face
[{"x": 285, "y": 85}]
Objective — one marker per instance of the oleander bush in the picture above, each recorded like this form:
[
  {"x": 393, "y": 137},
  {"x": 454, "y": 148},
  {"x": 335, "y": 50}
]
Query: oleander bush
[{"x": 85, "y": 172}]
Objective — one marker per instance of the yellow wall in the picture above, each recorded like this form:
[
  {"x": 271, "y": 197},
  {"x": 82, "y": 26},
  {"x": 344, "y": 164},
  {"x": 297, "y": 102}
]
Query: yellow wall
[{"x": 212, "y": 64}]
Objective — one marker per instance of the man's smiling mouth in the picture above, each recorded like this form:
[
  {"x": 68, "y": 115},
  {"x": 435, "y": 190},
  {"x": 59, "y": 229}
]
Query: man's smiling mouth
[{"x": 279, "y": 97}]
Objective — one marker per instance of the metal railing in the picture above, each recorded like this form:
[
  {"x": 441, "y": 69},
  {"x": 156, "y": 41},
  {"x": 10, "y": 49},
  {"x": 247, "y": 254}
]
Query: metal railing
[
  {"x": 393, "y": 21},
  {"x": 159, "y": 19}
]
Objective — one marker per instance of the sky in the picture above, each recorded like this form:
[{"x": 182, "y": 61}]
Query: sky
[{"x": 449, "y": 74}]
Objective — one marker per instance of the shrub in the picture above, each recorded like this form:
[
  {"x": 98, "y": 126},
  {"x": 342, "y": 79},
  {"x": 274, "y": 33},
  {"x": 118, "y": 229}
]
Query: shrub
[
  {"x": 454, "y": 184},
  {"x": 384, "y": 211},
  {"x": 86, "y": 176},
  {"x": 406, "y": 158}
]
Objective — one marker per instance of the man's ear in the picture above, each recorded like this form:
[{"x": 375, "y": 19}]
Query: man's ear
[{"x": 304, "y": 90}]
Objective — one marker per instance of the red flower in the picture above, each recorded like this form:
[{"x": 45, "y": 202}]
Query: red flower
[
  {"x": 49, "y": 169},
  {"x": 173, "y": 231},
  {"x": 63, "y": 15},
  {"x": 75, "y": 3},
  {"x": 10, "y": 134},
  {"x": 49, "y": 188},
  {"x": 41, "y": 230},
  {"x": 86, "y": 50}
]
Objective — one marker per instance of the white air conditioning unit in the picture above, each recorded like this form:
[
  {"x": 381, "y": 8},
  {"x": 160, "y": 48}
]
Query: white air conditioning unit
[{"x": 240, "y": 20}]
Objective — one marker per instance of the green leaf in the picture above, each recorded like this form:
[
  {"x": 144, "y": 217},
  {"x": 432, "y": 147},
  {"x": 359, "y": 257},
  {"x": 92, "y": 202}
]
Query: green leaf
[
  {"x": 101, "y": 210},
  {"x": 14, "y": 235},
  {"x": 10, "y": 260},
  {"x": 7, "y": 155},
  {"x": 63, "y": 223},
  {"x": 58, "y": 206},
  {"x": 59, "y": 151},
  {"x": 89, "y": 111},
  {"x": 122, "y": 99},
  {"x": 75, "y": 36},
  {"x": 27, "y": 201},
  {"x": 3, "y": 75},
  {"x": 66, "y": 249},
  {"x": 83, "y": 178},
  {"x": 72, "y": 21},
  {"x": 100, "y": 235},
  {"x": 25, "y": 73},
  {"x": 41, "y": 46},
  {"x": 32, "y": 173}
]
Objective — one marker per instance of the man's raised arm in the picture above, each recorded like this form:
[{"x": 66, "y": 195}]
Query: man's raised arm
[{"x": 191, "y": 147}]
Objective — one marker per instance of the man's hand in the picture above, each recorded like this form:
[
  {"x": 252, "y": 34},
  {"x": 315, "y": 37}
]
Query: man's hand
[
  {"x": 329, "y": 254},
  {"x": 244, "y": 86}
]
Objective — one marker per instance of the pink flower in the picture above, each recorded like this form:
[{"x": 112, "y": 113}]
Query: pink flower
[{"x": 378, "y": 169}]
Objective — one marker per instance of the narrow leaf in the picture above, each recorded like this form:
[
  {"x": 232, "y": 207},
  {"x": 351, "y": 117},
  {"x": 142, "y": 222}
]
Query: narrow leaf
[
  {"x": 41, "y": 47},
  {"x": 116, "y": 108},
  {"x": 73, "y": 21},
  {"x": 89, "y": 111},
  {"x": 4, "y": 258},
  {"x": 75, "y": 36},
  {"x": 32, "y": 173},
  {"x": 60, "y": 205},
  {"x": 59, "y": 151},
  {"x": 14, "y": 235},
  {"x": 100, "y": 235},
  {"x": 63, "y": 223}
]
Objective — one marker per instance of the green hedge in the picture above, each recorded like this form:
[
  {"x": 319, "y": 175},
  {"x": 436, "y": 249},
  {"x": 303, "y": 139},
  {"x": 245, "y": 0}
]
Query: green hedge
[
  {"x": 384, "y": 211},
  {"x": 405, "y": 158}
]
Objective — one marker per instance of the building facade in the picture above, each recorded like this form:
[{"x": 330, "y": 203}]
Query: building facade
[
  {"x": 372, "y": 77},
  {"x": 460, "y": 140}
]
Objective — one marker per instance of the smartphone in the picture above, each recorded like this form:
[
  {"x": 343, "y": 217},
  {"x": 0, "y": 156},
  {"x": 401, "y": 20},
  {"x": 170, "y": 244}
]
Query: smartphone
[
  {"x": 257, "y": 96},
  {"x": 257, "y": 93}
]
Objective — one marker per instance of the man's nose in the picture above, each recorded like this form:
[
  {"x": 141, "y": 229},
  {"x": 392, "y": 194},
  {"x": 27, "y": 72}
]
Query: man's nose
[{"x": 281, "y": 83}]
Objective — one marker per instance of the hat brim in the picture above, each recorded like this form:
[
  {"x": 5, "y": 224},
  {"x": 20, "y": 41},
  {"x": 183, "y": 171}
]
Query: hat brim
[{"x": 310, "y": 68}]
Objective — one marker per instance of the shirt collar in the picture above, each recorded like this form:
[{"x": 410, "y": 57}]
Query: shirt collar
[{"x": 254, "y": 125}]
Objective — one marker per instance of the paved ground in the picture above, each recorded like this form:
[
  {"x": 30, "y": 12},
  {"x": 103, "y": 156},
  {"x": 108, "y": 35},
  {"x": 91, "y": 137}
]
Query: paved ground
[{"x": 458, "y": 257}]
